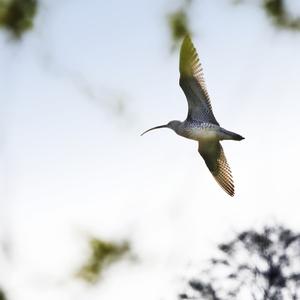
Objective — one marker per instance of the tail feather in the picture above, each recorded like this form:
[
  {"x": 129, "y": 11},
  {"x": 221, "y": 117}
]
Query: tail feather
[
  {"x": 229, "y": 135},
  {"x": 237, "y": 137}
]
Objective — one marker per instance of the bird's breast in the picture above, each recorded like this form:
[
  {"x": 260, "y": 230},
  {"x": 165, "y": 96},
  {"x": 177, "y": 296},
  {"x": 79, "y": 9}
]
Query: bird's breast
[{"x": 198, "y": 132}]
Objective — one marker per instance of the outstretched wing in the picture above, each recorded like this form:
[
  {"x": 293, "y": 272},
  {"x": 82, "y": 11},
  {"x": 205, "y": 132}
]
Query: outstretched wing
[
  {"x": 193, "y": 85},
  {"x": 214, "y": 157}
]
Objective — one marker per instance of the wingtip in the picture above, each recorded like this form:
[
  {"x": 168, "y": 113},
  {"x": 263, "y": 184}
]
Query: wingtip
[
  {"x": 226, "y": 184},
  {"x": 187, "y": 38},
  {"x": 229, "y": 190},
  {"x": 186, "y": 42},
  {"x": 187, "y": 56}
]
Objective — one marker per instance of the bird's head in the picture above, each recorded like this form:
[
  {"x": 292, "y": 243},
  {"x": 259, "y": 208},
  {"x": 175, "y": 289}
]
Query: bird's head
[{"x": 172, "y": 125}]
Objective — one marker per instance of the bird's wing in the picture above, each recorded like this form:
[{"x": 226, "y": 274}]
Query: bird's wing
[
  {"x": 214, "y": 157},
  {"x": 193, "y": 85}
]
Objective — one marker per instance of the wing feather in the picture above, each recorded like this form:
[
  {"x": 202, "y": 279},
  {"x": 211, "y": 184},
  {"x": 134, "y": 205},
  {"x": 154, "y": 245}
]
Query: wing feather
[
  {"x": 214, "y": 157},
  {"x": 193, "y": 84}
]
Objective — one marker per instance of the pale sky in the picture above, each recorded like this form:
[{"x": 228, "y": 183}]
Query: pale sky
[{"x": 72, "y": 164}]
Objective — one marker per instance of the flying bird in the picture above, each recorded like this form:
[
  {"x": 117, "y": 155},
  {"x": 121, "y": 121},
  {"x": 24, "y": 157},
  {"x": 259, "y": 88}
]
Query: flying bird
[{"x": 201, "y": 124}]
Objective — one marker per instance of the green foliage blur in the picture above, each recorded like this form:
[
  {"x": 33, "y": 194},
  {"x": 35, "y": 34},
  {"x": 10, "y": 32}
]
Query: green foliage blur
[
  {"x": 2, "y": 295},
  {"x": 17, "y": 16},
  {"x": 277, "y": 11},
  {"x": 102, "y": 255},
  {"x": 178, "y": 22}
]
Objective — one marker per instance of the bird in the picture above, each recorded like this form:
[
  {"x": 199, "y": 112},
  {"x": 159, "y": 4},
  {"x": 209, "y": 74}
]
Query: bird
[{"x": 200, "y": 124}]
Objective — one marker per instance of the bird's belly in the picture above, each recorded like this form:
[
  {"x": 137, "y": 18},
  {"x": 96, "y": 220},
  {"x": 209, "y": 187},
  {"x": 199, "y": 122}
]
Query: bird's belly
[{"x": 199, "y": 134}]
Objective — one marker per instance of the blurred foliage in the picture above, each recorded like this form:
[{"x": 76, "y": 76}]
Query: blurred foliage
[
  {"x": 277, "y": 11},
  {"x": 255, "y": 265},
  {"x": 17, "y": 15},
  {"x": 178, "y": 22},
  {"x": 2, "y": 295},
  {"x": 102, "y": 255}
]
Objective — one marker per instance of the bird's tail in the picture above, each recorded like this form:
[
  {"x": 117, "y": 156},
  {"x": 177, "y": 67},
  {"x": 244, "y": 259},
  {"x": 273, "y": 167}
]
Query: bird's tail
[{"x": 229, "y": 135}]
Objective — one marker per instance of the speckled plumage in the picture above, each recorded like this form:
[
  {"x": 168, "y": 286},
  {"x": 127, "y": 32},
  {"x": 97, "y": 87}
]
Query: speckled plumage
[{"x": 201, "y": 124}]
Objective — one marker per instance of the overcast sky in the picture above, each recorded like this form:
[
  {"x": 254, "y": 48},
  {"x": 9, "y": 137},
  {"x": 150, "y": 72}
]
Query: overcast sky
[{"x": 76, "y": 93}]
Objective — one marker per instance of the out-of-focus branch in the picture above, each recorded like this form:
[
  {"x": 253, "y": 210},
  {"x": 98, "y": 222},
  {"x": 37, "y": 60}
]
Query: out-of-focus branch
[
  {"x": 278, "y": 13},
  {"x": 102, "y": 254},
  {"x": 17, "y": 16},
  {"x": 179, "y": 23}
]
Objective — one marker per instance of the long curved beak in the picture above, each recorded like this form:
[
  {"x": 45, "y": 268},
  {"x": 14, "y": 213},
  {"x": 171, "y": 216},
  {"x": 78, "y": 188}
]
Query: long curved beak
[{"x": 157, "y": 127}]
